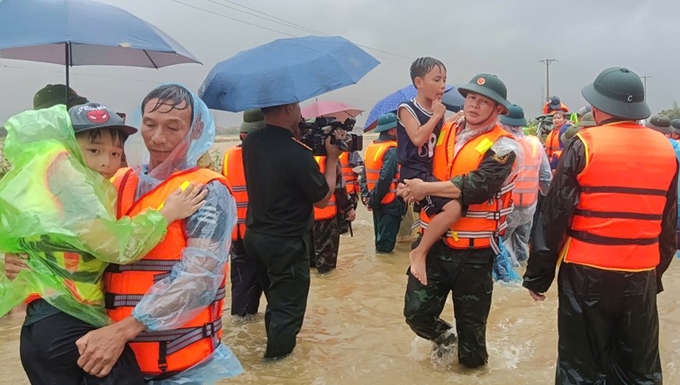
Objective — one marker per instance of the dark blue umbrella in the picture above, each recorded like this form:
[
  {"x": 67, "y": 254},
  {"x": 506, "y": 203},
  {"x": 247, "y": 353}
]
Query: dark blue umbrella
[
  {"x": 452, "y": 100},
  {"x": 284, "y": 71},
  {"x": 83, "y": 32}
]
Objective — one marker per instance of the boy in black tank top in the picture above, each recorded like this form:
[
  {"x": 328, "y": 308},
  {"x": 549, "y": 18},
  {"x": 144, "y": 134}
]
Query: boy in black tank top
[{"x": 420, "y": 121}]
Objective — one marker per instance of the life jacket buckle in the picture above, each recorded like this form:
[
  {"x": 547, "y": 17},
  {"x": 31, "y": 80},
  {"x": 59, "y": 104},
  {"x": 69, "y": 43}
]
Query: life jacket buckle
[{"x": 208, "y": 329}]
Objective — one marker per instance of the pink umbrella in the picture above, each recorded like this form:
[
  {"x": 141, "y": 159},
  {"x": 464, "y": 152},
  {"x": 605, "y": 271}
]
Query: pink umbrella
[{"x": 339, "y": 111}]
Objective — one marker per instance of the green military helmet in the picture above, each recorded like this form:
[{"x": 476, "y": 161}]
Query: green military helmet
[
  {"x": 386, "y": 122},
  {"x": 489, "y": 86},
  {"x": 619, "y": 92},
  {"x": 252, "y": 120},
  {"x": 54, "y": 94},
  {"x": 675, "y": 126},
  {"x": 660, "y": 123},
  {"x": 514, "y": 117}
]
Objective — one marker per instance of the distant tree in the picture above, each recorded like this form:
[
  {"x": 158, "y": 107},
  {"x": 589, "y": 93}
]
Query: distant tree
[
  {"x": 672, "y": 113},
  {"x": 3, "y": 132}
]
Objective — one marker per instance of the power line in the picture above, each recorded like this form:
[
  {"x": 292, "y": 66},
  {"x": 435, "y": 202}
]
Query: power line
[
  {"x": 547, "y": 75},
  {"x": 301, "y": 27},
  {"x": 231, "y": 18},
  {"x": 277, "y": 20}
]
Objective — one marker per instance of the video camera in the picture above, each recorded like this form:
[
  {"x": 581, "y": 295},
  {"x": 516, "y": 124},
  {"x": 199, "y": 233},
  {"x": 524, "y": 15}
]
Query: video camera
[{"x": 314, "y": 135}]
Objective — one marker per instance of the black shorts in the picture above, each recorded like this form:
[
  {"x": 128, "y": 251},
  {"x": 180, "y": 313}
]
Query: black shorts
[
  {"x": 431, "y": 204},
  {"x": 49, "y": 355}
]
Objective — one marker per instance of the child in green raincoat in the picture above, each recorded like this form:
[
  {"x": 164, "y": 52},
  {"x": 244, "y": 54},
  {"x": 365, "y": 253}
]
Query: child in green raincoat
[{"x": 58, "y": 209}]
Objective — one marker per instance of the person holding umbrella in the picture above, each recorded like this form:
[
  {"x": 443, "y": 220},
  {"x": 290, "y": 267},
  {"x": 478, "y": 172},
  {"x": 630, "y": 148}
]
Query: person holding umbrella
[
  {"x": 245, "y": 285},
  {"x": 614, "y": 236},
  {"x": 379, "y": 184}
]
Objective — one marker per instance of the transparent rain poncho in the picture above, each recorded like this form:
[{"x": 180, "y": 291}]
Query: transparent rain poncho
[
  {"x": 61, "y": 214},
  {"x": 194, "y": 281},
  {"x": 523, "y": 215}
]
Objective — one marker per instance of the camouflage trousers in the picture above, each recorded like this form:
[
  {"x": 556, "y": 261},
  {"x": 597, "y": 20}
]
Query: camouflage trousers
[
  {"x": 325, "y": 245},
  {"x": 469, "y": 279}
]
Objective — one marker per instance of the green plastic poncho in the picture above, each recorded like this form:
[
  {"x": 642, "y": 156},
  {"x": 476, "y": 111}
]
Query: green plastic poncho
[{"x": 61, "y": 214}]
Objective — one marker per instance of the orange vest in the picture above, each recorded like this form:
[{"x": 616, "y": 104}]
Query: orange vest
[
  {"x": 617, "y": 221},
  {"x": 375, "y": 156},
  {"x": 548, "y": 111},
  {"x": 232, "y": 169},
  {"x": 351, "y": 177},
  {"x": 172, "y": 350},
  {"x": 525, "y": 193},
  {"x": 330, "y": 211},
  {"x": 483, "y": 223},
  {"x": 552, "y": 144}
]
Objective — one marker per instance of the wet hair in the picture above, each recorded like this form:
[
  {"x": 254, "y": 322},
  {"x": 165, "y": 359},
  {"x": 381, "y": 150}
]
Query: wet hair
[
  {"x": 96, "y": 133},
  {"x": 171, "y": 95},
  {"x": 560, "y": 113},
  {"x": 423, "y": 65}
]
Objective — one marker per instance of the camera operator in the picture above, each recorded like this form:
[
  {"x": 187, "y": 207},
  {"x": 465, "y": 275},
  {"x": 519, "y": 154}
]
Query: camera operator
[{"x": 284, "y": 184}]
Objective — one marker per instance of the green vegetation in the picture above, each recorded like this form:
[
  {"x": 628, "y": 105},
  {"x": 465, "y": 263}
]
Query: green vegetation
[{"x": 672, "y": 113}]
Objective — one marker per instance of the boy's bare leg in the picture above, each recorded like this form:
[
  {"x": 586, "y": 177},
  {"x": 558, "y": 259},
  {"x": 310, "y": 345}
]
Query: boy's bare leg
[{"x": 441, "y": 222}]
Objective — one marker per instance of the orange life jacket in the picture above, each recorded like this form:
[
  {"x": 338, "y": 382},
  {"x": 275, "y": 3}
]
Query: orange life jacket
[
  {"x": 232, "y": 169},
  {"x": 483, "y": 223},
  {"x": 351, "y": 177},
  {"x": 172, "y": 350},
  {"x": 548, "y": 111},
  {"x": 525, "y": 193},
  {"x": 331, "y": 210},
  {"x": 617, "y": 221},
  {"x": 375, "y": 157},
  {"x": 552, "y": 144}
]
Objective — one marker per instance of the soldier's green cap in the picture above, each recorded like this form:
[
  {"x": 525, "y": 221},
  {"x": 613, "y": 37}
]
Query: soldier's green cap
[
  {"x": 489, "y": 86},
  {"x": 54, "y": 94},
  {"x": 386, "y": 122},
  {"x": 660, "y": 123},
  {"x": 252, "y": 120},
  {"x": 619, "y": 92}
]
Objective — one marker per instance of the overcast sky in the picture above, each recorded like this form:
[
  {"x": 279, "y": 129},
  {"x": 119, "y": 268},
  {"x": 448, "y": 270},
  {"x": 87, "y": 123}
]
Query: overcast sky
[{"x": 502, "y": 37}]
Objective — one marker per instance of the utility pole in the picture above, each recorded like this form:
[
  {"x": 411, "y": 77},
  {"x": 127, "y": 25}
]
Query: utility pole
[
  {"x": 547, "y": 76},
  {"x": 644, "y": 80}
]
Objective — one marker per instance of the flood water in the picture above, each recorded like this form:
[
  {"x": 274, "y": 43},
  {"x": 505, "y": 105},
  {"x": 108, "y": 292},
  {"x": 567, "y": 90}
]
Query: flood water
[{"x": 354, "y": 330}]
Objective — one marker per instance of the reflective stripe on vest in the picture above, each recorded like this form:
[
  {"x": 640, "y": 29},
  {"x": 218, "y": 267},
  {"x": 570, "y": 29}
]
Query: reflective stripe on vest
[
  {"x": 617, "y": 220},
  {"x": 232, "y": 169},
  {"x": 483, "y": 223},
  {"x": 351, "y": 177},
  {"x": 126, "y": 284},
  {"x": 525, "y": 193},
  {"x": 552, "y": 144},
  {"x": 330, "y": 210},
  {"x": 375, "y": 158}
]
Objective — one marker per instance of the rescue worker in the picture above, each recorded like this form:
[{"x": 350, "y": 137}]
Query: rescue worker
[
  {"x": 475, "y": 161},
  {"x": 350, "y": 162},
  {"x": 325, "y": 232},
  {"x": 283, "y": 187},
  {"x": 554, "y": 104},
  {"x": 169, "y": 304},
  {"x": 379, "y": 184},
  {"x": 245, "y": 286},
  {"x": 586, "y": 121},
  {"x": 553, "y": 147},
  {"x": 614, "y": 235},
  {"x": 533, "y": 179},
  {"x": 663, "y": 125}
]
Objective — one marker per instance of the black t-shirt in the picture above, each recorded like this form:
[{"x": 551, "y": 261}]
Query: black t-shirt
[
  {"x": 416, "y": 162},
  {"x": 283, "y": 182}
]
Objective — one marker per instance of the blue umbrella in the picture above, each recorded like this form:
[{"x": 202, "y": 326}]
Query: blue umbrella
[
  {"x": 452, "y": 100},
  {"x": 83, "y": 32},
  {"x": 284, "y": 71}
]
